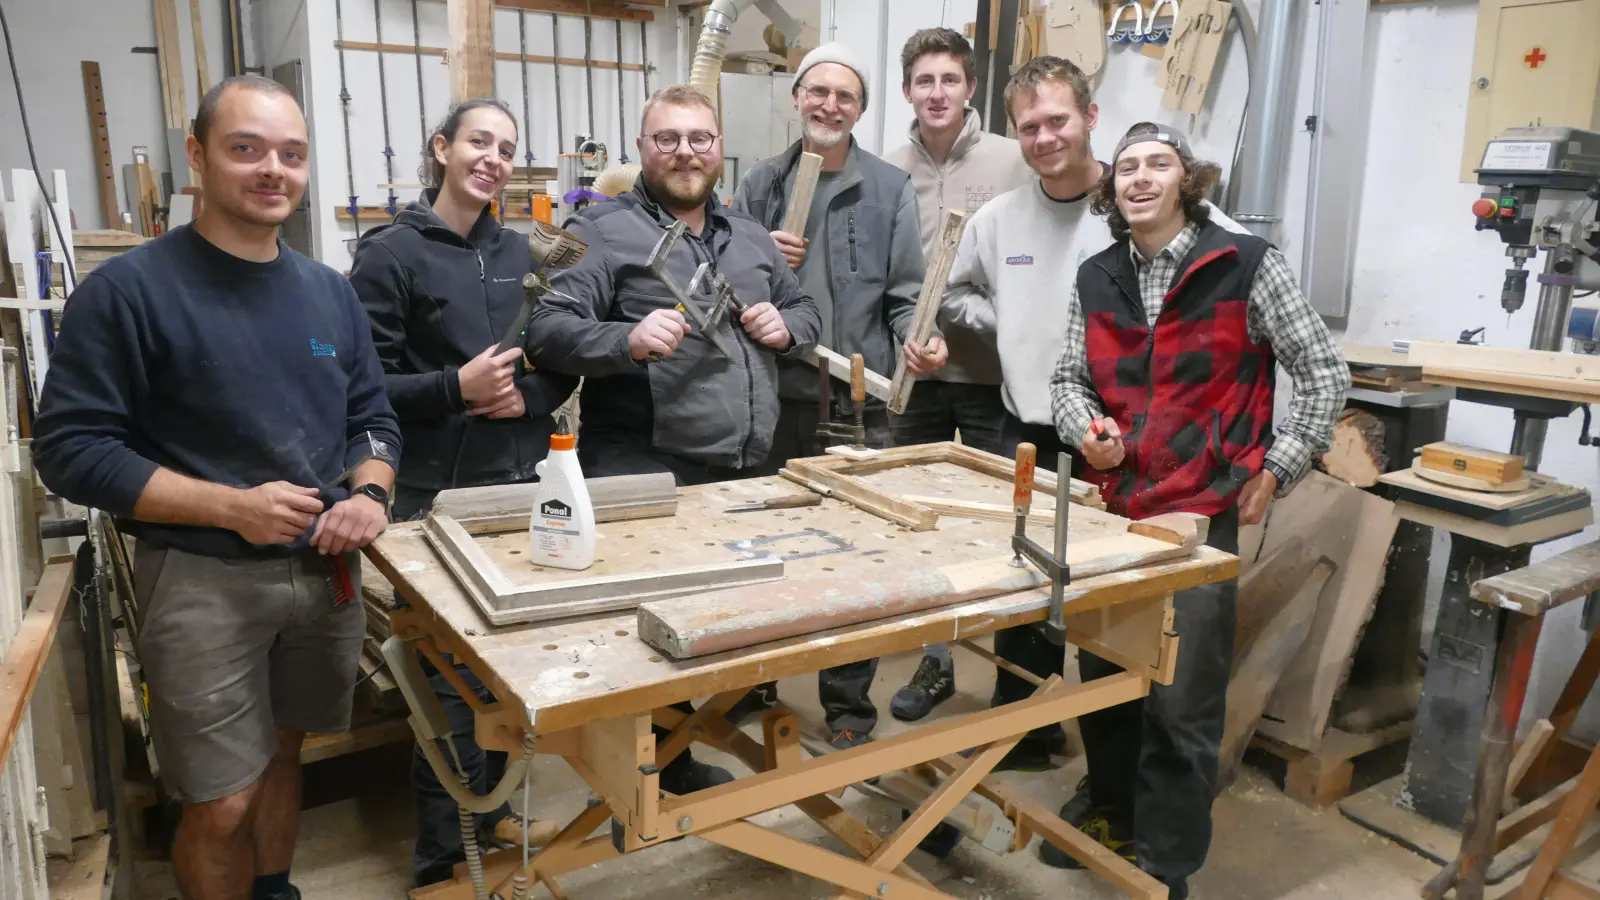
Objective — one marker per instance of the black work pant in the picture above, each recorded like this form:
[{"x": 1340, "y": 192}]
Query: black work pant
[
  {"x": 842, "y": 689},
  {"x": 939, "y": 410},
  {"x": 1153, "y": 762}
]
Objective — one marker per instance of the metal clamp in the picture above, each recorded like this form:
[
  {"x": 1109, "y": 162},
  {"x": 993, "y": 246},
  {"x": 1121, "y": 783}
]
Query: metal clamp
[{"x": 1053, "y": 565}]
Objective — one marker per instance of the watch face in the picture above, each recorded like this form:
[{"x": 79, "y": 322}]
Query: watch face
[{"x": 375, "y": 492}]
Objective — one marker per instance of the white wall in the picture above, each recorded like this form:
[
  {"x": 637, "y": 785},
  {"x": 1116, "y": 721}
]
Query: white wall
[
  {"x": 367, "y": 163},
  {"x": 51, "y": 39}
]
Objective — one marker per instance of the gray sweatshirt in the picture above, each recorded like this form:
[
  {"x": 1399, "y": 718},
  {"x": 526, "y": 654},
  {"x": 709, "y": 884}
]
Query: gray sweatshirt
[{"x": 981, "y": 167}]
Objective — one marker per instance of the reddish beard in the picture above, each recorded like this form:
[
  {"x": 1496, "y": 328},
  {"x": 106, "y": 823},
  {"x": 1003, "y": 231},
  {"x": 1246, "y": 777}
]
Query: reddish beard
[{"x": 685, "y": 188}]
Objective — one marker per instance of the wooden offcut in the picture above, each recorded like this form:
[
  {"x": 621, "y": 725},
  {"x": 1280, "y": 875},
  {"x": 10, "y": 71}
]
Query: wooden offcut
[
  {"x": 689, "y": 627},
  {"x": 1473, "y": 462},
  {"x": 946, "y": 243},
  {"x": 94, "y": 97},
  {"x": 30, "y": 648},
  {"x": 798, "y": 209},
  {"x": 1356, "y": 456},
  {"x": 839, "y": 367}
]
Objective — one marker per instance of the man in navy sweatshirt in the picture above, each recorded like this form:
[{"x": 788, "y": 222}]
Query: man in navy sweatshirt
[{"x": 219, "y": 395}]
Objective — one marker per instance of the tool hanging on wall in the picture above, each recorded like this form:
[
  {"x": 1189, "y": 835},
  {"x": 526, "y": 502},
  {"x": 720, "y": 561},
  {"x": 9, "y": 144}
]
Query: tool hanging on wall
[
  {"x": 555, "y": 53},
  {"x": 588, "y": 61},
  {"x": 527, "y": 121},
  {"x": 622, "y": 122},
  {"x": 416, "y": 49},
  {"x": 393, "y": 207},
  {"x": 344, "y": 102}
]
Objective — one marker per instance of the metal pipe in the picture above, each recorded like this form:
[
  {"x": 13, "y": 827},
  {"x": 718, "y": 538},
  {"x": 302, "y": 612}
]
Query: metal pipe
[
  {"x": 393, "y": 209},
  {"x": 706, "y": 70},
  {"x": 622, "y": 123},
  {"x": 1271, "y": 115},
  {"x": 1549, "y": 327},
  {"x": 588, "y": 72},
  {"x": 416, "y": 51},
  {"x": 555, "y": 52}
]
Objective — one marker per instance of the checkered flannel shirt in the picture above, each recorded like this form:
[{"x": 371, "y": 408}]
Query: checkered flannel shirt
[{"x": 1278, "y": 314}]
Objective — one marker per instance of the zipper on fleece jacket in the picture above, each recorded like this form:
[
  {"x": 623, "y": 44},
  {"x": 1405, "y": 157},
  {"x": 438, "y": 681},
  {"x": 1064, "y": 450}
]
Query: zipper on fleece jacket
[
  {"x": 744, "y": 355},
  {"x": 853, "y": 266}
]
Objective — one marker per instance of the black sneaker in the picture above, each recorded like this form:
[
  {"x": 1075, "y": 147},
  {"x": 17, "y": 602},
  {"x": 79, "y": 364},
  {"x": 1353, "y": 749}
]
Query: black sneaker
[
  {"x": 1032, "y": 753},
  {"x": 845, "y": 738},
  {"x": 941, "y": 841},
  {"x": 930, "y": 686},
  {"x": 760, "y": 698},
  {"x": 1080, "y": 813},
  {"x": 289, "y": 893},
  {"x": 687, "y": 777}
]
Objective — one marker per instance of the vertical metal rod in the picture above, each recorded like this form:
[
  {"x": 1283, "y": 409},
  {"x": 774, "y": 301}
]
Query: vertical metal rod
[
  {"x": 555, "y": 53},
  {"x": 1549, "y": 323},
  {"x": 393, "y": 209},
  {"x": 622, "y": 124},
  {"x": 644, "y": 56},
  {"x": 1057, "y": 628},
  {"x": 527, "y": 120},
  {"x": 422, "y": 105},
  {"x": 588, "y": 60}
]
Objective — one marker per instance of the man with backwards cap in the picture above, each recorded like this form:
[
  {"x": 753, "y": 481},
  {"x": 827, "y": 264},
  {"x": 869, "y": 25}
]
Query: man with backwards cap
[{"x": 1166, "y": 384}]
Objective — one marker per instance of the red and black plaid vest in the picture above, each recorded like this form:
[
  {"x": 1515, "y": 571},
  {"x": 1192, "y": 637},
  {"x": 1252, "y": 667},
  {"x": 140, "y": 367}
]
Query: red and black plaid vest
[{"x": 1193, "y": 395}]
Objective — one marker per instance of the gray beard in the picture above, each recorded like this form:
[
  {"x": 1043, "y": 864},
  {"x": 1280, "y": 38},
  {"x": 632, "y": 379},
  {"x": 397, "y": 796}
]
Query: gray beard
[{"x": 824, "y": 139}]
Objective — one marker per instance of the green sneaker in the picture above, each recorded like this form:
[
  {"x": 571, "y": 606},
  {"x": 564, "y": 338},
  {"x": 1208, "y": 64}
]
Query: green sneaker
[{"x": 1102, "y": 831}]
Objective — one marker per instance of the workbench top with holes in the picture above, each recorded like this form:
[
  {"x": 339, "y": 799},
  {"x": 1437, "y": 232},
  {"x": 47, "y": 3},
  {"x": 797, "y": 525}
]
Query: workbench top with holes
[{"x": 561, "y": 674}]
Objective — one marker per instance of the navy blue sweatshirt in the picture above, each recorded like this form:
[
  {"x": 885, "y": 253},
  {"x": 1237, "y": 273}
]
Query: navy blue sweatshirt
[{"x": 179, "y": 355}]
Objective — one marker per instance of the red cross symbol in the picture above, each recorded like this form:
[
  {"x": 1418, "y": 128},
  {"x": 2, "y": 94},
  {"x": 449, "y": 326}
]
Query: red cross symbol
[{"x": 1535, "y": 58}]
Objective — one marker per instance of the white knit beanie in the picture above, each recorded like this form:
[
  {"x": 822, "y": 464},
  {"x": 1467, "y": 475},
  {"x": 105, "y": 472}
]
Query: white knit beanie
[{"x": 834, "y": 52}]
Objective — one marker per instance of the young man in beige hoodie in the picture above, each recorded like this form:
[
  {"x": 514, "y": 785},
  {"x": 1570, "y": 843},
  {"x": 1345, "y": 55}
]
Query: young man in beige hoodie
[{"x": 954, "y": 164}]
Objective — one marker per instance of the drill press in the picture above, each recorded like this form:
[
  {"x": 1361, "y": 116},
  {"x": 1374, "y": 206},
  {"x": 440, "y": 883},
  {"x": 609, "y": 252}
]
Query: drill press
[{"x": 1053, "y": 565}]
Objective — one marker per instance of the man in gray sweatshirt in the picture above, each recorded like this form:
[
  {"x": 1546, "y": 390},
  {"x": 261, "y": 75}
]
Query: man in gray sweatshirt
[
  {"x": 861, "y": 260},
  {"x": 954, "y": 164}
]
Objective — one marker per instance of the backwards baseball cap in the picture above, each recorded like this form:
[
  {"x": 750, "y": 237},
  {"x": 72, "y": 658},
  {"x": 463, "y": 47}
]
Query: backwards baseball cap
[
  {"x": 1164, "y": 134},
  {"x": 834, "y": 52}
]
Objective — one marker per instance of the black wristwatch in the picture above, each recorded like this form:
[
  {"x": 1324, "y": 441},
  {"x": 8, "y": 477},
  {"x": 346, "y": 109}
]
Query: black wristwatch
[{"x": 375, "y": 491}]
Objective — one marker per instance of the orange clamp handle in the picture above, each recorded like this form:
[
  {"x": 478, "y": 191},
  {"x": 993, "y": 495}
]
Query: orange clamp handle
[
  {"x": 1022, "y": 488},
  {"x": 858, "y": 378}
]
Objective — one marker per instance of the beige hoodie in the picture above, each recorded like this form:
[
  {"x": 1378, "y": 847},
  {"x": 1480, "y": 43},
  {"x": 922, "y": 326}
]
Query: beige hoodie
[{"x": 981, "y": 166}]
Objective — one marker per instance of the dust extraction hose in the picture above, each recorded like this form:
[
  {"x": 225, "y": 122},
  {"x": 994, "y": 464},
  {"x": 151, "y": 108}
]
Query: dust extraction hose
[{"x": 706, "y": 70}]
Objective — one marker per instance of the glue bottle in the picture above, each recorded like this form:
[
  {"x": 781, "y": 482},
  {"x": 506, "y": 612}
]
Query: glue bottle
[{"x": 562, "y": 525}]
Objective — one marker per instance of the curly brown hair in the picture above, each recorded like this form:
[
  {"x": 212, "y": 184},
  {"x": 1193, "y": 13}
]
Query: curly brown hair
[{"x": 1199, "y": 177}]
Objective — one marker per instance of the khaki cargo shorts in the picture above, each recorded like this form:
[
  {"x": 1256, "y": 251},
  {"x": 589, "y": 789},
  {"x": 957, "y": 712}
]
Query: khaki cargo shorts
[{"x": 231, "y": 649}]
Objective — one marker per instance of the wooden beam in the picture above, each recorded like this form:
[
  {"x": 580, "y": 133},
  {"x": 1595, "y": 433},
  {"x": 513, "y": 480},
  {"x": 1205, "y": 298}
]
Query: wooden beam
[
  {"x": 30, "y": 647},
  {"x": 471, "y": 58},
  {"x": 202, "y": 67},
  {"x": 798, "y": 211},
  {"x": 578, "y": 8},
  {"x": 927, "y": 311},
  {"x": 174, "y": 102},
  {"x": 839, "y": 367},
  {"x": 94, "y": 97},
  {"x": 408, "y": 50}
]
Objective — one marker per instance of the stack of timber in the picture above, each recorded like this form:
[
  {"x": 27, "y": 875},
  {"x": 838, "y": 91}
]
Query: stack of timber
[{"x": 1381, "y": 368}]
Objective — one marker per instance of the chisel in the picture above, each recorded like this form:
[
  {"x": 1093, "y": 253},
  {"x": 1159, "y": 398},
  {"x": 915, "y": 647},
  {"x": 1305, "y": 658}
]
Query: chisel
[{"x": 788, "y": 501}]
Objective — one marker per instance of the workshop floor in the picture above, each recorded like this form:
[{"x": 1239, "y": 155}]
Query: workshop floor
[{"x": 357, "y": 847}]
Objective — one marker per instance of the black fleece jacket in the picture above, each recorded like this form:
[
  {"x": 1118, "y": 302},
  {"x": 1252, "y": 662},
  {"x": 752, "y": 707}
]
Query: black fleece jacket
[{"x": 436, "y": 300}]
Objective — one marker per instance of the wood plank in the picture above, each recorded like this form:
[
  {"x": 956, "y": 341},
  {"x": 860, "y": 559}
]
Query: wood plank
[
  {"x": 994, "y": 512},
  {"x": 471, "y": 58},
  {"x": 1376, "y": 356},
  {"x": 1352, "y": 528},
  {"x": 1044, "y": 481},
  {"x": 30, "y": 648},
  {"x": 798, "y": 209},
  {"x": 1136, "y": 636},
  {"x": 1478, "y": 358},
  {"x": 506, "y": 507},
  {"x": 1537, "y": 531},
  {"x": 85, "y": 878},
  {"x": 318, "y": 747},
  {"x": 937, "y": 273},
  {"x": 1528, "y": 750},
  {"x": 731, "y": 619},
  {"x": 1538, "y": 588},
  {"x": 1566, "y": 886},
  {"x": 94, "y": 97},
  {"x": 409, "y": 50},
  {"x": 839, "y": 367},
  {"x": 202, "y": 65},
  {"x": 1519, "y": 385},
  {"x": 1541, "y": 487},
  {"x": 1472, "y": 462},
  {"x": 1573, "y": 814}
]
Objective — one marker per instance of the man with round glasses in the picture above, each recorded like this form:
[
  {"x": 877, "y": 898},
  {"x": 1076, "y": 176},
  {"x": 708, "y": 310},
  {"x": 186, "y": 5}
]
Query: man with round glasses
[{"x": 861, "y": 259}]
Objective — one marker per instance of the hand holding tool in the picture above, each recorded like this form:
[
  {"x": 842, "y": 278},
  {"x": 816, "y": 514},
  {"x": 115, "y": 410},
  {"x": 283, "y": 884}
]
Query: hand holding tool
[
  {"x": 657, "y": 264},
  {"x": 1098, "y": 430},
  {"x": 1054, "y": 565},
  {"x": 552, "y": 248}
]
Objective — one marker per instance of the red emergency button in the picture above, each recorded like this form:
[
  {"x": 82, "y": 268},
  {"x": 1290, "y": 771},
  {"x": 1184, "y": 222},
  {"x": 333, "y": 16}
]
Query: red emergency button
[{"x": 1485, "y": 208}]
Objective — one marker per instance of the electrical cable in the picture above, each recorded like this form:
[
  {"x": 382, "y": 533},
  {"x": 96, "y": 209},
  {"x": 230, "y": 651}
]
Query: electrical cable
[
  {"x": 33, "y": 158},
  {"x": 393, "y": 209}
]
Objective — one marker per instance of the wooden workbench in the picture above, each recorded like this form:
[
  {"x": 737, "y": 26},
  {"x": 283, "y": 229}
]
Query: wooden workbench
[{"x": 589, "y": 688}]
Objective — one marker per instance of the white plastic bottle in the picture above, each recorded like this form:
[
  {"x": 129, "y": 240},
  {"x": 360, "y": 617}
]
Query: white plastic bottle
[{"x": 561, "y": 528}]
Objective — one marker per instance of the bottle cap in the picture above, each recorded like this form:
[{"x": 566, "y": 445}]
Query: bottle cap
[{"x": 563, "y": 442}]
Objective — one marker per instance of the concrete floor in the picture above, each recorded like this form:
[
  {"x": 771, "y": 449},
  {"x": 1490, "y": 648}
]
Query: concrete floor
[{"x": 1266, "y": 846}]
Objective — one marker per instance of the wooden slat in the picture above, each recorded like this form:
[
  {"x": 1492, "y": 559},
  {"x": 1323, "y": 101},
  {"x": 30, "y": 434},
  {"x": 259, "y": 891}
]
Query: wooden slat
[
  {"x": 176, "y": 103},
  {"x": 30, "y": 647},
  {"x": 471, "y": 58},
  {"x": 839, "y": 367},
  {"x": 1478, "y": 358},
  {"x": 94, "y": 98},
  {"x": 927, "y": 309},
  {"x": 798, "y": 210},
  {"x": 912, "y": 515},
  {"x": 408, "y": 50},
  {"x": 1544, "y": 585},
  {"x": 202, "y": 66}
]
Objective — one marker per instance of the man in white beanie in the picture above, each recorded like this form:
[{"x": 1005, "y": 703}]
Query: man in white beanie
[{"x": 861, "y": 259}]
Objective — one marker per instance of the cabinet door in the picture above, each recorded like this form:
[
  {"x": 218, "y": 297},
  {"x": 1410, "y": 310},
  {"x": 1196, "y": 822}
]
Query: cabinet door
[{"x": 1537, "y": 62}]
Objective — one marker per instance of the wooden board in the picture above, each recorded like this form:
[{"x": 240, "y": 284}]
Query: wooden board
[
  {"x": 839, "y": 367},
  {"x": 471, "y": 59},
  {"x": 798, "y": 209},
  {"x": 1537, "y": 531},
  {"x": 1519, "y": 385},
  {"x": 945, "y": 244},
  {"x": 1353, "y": 528},
  {"x": 1478, "y": 358},
  {"x": 688, "y": 627},
  {"x": 30, "y": 648},
  {"x": 1471, "y": 462},
  {"x": 506, "y": 507},
  {"x": 1534, "y": 590},
  {"x": 1547, "y": 497},
  {"x": 1376, "y": 356},
  {"x": 94, "y": 97},
  {"x": 1540, "y": 486},
  {"x": 1451, "y": 479},
  {"x": 572, "y": 671},
  {"x": 1073, "y": 30}
]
